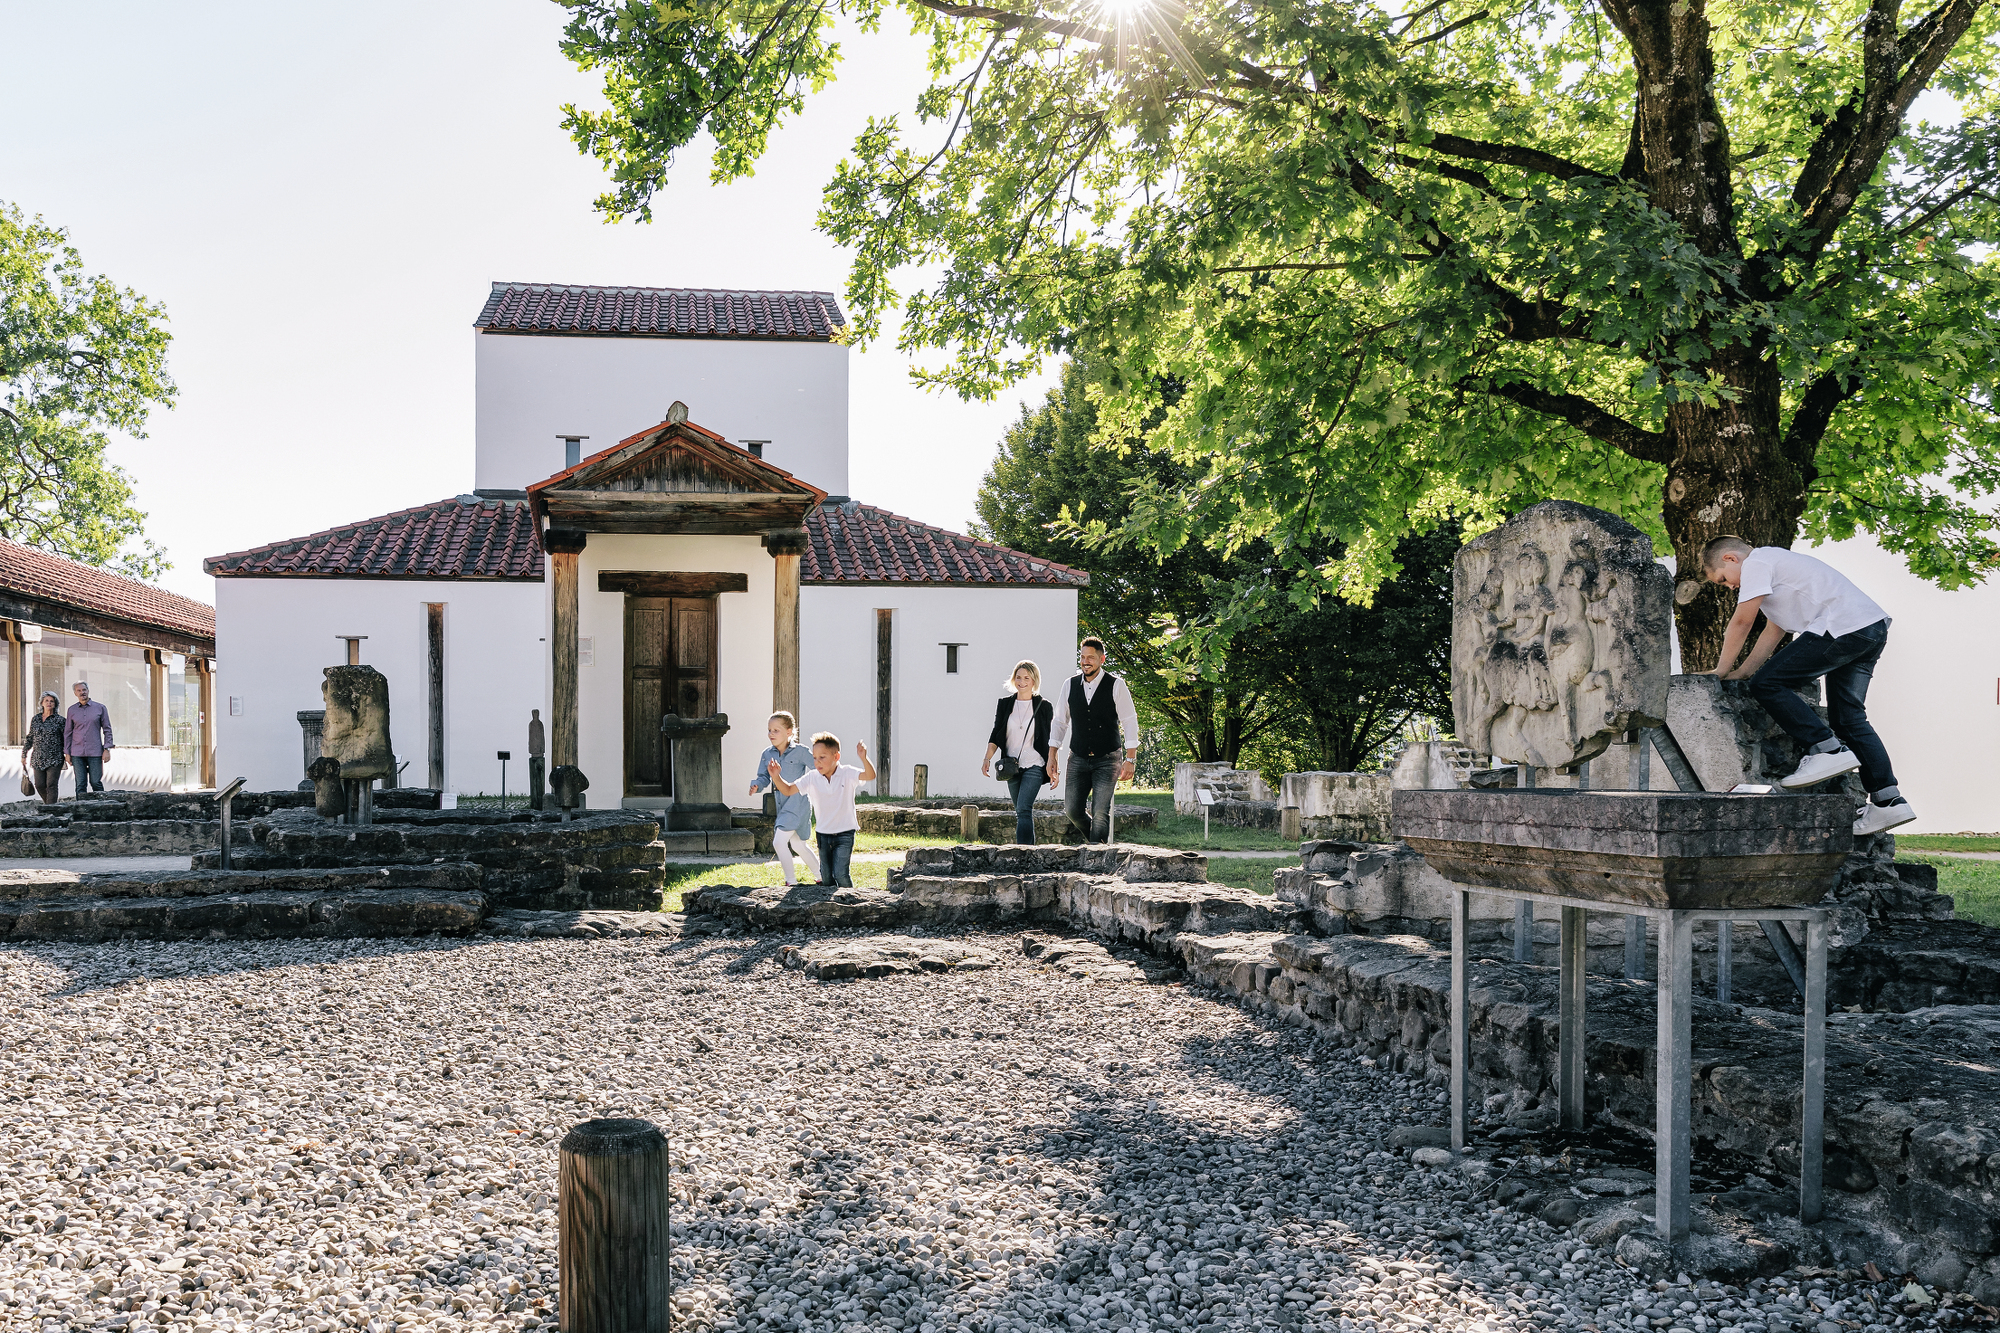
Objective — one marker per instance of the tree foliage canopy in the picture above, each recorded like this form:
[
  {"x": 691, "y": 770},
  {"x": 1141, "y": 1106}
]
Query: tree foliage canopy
[
  {"x": 1321, "y": 684},
  {"x": 1681, "y": 259},
  {"x": 78, "y": 358}
]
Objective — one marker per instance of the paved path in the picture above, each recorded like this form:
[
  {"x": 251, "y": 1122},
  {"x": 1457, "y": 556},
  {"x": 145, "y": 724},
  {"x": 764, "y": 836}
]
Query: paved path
[
  {"x": 1965, "y": 856},
  {"x": 85, "y": 865}
]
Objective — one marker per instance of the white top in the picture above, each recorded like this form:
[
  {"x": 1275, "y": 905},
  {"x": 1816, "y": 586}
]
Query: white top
[
  {"x": 832, "y": 798},
  {"x": 1805, "y": 596},
  {"x": 1121, "y": 699},
  {"x": 1021, "y": 735}
]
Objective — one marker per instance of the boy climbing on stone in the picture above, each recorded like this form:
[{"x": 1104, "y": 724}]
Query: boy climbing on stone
[
  {"x": 831, "y": 786},
  {"x": 1839, "y": 633}
]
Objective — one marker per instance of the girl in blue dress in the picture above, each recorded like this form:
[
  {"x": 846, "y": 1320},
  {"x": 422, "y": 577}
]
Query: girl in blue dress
[{"x": 793, "y": 836}]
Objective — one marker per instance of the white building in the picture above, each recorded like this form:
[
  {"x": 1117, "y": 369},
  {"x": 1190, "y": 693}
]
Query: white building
[{"x": 613, "y": 564}]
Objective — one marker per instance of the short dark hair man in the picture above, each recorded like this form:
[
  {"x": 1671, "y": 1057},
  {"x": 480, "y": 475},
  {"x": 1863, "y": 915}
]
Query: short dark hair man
[
  {"x": 87, "y": 739},
  {"x": 1094, "y": 713},
  {"x": 1840, "y": 633}
]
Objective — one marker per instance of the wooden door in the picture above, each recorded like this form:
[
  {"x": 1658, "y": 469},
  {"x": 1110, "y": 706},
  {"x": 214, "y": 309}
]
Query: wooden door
[{"x": 669, "y": 668}]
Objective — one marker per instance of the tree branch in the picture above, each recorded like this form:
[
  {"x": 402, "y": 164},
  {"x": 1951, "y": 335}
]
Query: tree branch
[
  {"x": 1822, "y": 397},
  {"x": 1648, "y": 446}
]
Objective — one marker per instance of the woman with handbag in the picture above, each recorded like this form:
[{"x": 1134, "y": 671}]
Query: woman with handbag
[
  {"x": 42, "y": 752},
  {"x": 1021, "y": 723}
]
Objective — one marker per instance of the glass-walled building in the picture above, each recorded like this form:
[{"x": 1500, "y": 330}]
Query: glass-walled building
[{"x": 147, "y": 655}]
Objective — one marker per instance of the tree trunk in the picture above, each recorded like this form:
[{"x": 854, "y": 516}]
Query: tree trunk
[{"x": 1730, "y": 475}]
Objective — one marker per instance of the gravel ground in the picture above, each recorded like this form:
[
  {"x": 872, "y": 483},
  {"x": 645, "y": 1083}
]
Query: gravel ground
[{"x": 362, "y": 1135}]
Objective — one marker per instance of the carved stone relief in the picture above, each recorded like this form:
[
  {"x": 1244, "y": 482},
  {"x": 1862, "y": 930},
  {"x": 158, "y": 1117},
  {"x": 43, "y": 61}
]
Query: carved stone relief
[
  {"x": 1559, "y": 644},
  {"x": 357, "y": 722}
]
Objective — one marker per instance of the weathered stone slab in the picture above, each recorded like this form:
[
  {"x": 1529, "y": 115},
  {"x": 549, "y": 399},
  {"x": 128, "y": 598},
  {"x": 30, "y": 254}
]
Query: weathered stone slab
[
  {"x": 798, "y": 907},
  {"x": 1086, "y": 959},
  {"x": 1653, "y": 849},
  {"x": 979, "y": 898},
  {"x": 1151, "y": 914},
  {"x": 884, "y": 956},
  {"x": 334, "y": 914},
  {"x": 1559, "y": 635},
  {"x": 357, "y": 723},
  {"x": 1134, "y": 862},
  {"x": 579, "y": 925},
  {"x": 25, "y": 885}
]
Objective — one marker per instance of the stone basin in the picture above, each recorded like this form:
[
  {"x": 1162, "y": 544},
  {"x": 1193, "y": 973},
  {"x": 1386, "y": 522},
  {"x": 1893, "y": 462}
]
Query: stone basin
[{"x": 1674, "y": 850}]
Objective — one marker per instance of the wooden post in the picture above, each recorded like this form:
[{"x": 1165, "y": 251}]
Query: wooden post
[
  {"x": 564, "y": 546},
  {"x": 434, "y": 623},
  {"x": 611, "y": 1229},
  {"x": 885, "y": 622},
  {"x": 156, "y": 681},
  {"x": 786, "y": 548},
  {"x": 920, "y": 781},
  {"x": 1288, "y": 824},
  {"x": 208, "y": 727},
  {"x": 968, "y": 823}
]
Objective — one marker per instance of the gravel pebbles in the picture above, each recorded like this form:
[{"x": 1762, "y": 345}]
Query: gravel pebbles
[{"x": 361, "y": 1135}]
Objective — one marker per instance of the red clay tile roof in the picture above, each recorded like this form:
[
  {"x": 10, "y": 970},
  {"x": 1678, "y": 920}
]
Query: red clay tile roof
[
  {"x": 658, "y": 312},
  {"x": 33, "y": 573},
  {"x": 465, "y": 537},
  {"x": 858, "y": 543}
]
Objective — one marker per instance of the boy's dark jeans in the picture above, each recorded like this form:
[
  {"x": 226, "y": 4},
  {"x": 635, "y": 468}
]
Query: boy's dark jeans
[
  {"x": 1094, "y": 777},
  {"x": 835, "y": 851},
  {"x": 1022, "y": 788},
  {"x": 1848, "y": 663}
]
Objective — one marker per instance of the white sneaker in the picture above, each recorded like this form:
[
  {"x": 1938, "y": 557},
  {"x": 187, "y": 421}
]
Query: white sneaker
[
  {"x": 1873, "y": 818},
  {"x": 1817, "y": 768}
]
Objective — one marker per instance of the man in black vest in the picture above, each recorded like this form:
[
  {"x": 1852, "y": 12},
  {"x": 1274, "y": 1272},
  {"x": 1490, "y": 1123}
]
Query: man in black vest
[{"x": 1094, "y": 711}]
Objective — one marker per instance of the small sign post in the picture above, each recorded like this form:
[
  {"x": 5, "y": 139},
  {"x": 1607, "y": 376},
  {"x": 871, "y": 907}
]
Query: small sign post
[{"x": 1207, "y": 798}]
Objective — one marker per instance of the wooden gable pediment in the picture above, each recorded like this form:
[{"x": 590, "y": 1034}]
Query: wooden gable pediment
[{"x": 676, "y": 477}]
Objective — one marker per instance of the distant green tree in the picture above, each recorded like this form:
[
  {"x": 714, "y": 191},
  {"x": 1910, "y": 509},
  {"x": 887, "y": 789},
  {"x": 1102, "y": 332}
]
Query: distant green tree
[
  {"x": 1139, "y": 603},
  {"x": 1320, "y": 682},
  {"x": 79, "y": 357}
]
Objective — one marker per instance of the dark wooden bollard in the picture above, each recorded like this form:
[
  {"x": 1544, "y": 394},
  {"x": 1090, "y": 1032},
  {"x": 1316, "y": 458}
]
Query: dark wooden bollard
[{"x": 611, "y": 1249}]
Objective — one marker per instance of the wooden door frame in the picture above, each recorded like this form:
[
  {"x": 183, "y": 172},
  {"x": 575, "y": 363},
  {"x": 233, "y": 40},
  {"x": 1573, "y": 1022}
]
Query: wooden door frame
[{"x": 669, "y": 673}]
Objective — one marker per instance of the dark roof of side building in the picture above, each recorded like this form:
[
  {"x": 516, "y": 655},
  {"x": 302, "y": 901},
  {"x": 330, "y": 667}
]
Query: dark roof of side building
[
  {"x": 42, "y": 577},
  {"x": 473, "y": 537},
  {"x": 493, "y": 538},
  {"x": 561, "y": 309},
  {"x": 856, "y": 543}
]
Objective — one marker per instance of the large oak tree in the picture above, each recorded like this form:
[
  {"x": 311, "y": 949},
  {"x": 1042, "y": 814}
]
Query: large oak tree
[{"x": 1684, "y": 259}]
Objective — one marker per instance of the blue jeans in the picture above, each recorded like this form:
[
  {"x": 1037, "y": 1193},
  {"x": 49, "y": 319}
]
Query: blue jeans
[
  {"x": 1848, "y": 663},
  {"x": 835, "y": 851},
  {"x": 1022, "y": 789},
  {"x": 1093, "y": 778},
  {"x": 88, "y": 767}
]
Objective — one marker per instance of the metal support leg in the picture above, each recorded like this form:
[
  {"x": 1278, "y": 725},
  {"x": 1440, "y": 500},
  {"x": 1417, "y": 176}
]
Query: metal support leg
[
  {"x": 1461, "y": 1021},
  {"x": 1570, "y": 1006},
  {"x": 1635, "y": 948},
  {"x": 1812, "y": 1120},
  {"x": 1524, "y": 931},
  {"x": 1673, "y": 1072},
  {"x": 1787, "y": 951},
  {"x": 1725, "y": 948}
]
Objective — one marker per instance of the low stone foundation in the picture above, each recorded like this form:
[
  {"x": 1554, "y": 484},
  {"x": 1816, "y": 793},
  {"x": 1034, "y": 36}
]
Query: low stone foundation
[
  {"x": 997, "y": 826},
  {"x": 152, "y": 823}
]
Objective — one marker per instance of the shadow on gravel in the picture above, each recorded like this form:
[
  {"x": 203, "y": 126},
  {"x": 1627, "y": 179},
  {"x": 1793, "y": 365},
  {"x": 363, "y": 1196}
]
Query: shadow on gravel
[{"x": 113, "y": 963}]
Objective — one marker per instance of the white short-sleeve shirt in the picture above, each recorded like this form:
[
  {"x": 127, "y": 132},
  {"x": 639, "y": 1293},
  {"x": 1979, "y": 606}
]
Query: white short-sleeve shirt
[
  {"x": 833, "y": 798},
  {"x": 1805, "y": 596}
]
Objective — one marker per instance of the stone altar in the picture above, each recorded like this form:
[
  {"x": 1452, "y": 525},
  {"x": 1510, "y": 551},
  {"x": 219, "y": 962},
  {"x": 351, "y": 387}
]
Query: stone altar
[
  {"x": 1559, "y": 638},
  {"x": 357, "y": 723},
  {"x": 697, "y": 771}
]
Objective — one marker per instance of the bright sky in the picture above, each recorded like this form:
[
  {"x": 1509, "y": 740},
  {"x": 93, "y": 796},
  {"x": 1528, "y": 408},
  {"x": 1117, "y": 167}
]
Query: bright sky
[{"x": 321, "y": 195}]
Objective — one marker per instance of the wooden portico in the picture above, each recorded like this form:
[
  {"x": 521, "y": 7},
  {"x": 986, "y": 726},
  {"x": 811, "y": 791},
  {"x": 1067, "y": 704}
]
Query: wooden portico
[{"x": 675, "y": 478}]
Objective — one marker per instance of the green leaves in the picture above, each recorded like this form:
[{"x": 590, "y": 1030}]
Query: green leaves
[{"x": 78, "y": 358}]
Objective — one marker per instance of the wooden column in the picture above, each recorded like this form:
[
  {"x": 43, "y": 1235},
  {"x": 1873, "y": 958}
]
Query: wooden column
[
  {"x": 611, "y": 1232},
  {"x": 156, "y": 677},
  {"x": 19, "y": 710},
  {"x": 786, "y": 548},
  {"x": 434, "y": 627},
  {"x": 564, "y": 546},
  {"x": 208, "y": 727},
  {"x": 885, "y": 624}
]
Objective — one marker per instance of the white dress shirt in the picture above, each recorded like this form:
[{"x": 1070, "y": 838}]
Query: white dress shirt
[{"x": 1121, "y": 699}]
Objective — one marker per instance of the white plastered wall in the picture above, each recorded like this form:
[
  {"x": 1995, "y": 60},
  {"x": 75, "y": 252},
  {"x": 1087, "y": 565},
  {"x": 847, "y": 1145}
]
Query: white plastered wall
[
  {"x": 530, "y": 390},
  {"x": 744, "y": 640},
  {"x": 275, "y": 637},
  {"x": 936, "y": 718}
]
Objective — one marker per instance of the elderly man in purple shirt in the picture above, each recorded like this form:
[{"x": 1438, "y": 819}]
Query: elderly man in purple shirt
[{"x": 87, "y": 739}]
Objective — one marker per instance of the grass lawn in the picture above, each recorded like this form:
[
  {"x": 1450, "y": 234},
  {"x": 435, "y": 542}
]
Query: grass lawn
[
  {"x": 1184, "y": 831},
  {"x": 1974, "y": 884},
  {"x": 1947, "y": 842},
  {"x": 1246, "y": 872}
]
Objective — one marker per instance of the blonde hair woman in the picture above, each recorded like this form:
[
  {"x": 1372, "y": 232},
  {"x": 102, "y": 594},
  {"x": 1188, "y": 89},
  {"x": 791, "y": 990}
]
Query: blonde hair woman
[{"x": 1020, "y": 736}]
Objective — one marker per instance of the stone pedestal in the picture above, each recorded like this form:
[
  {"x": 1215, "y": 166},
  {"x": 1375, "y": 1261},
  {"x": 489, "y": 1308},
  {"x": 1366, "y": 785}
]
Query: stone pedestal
[
  {"x": 311, "y": 723},
  {"x": 697, "y": 770}
]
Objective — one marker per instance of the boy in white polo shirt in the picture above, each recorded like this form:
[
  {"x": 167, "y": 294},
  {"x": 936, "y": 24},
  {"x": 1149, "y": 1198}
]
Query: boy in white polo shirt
[
  {"x": 1839, "y": 633},
  {"x": 831, "y": 786}
]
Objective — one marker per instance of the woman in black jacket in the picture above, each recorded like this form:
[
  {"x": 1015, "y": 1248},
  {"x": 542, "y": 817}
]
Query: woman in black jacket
[{"x": 1021, "y": 722}]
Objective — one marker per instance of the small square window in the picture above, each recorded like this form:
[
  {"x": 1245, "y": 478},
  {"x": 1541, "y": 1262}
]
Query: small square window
[{"x": 951, "y": 658}]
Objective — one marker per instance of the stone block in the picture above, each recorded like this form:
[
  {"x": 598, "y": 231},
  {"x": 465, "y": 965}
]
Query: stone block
[
  {"x": 346, "y": 913},
  {"x": 1560, "y": 621},
  {"x": 357, "y": 723},
  {"x": 884, "y": 956},
  {"x": 803, "y": 906},
  {"x": 1659, "y": 849}
]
